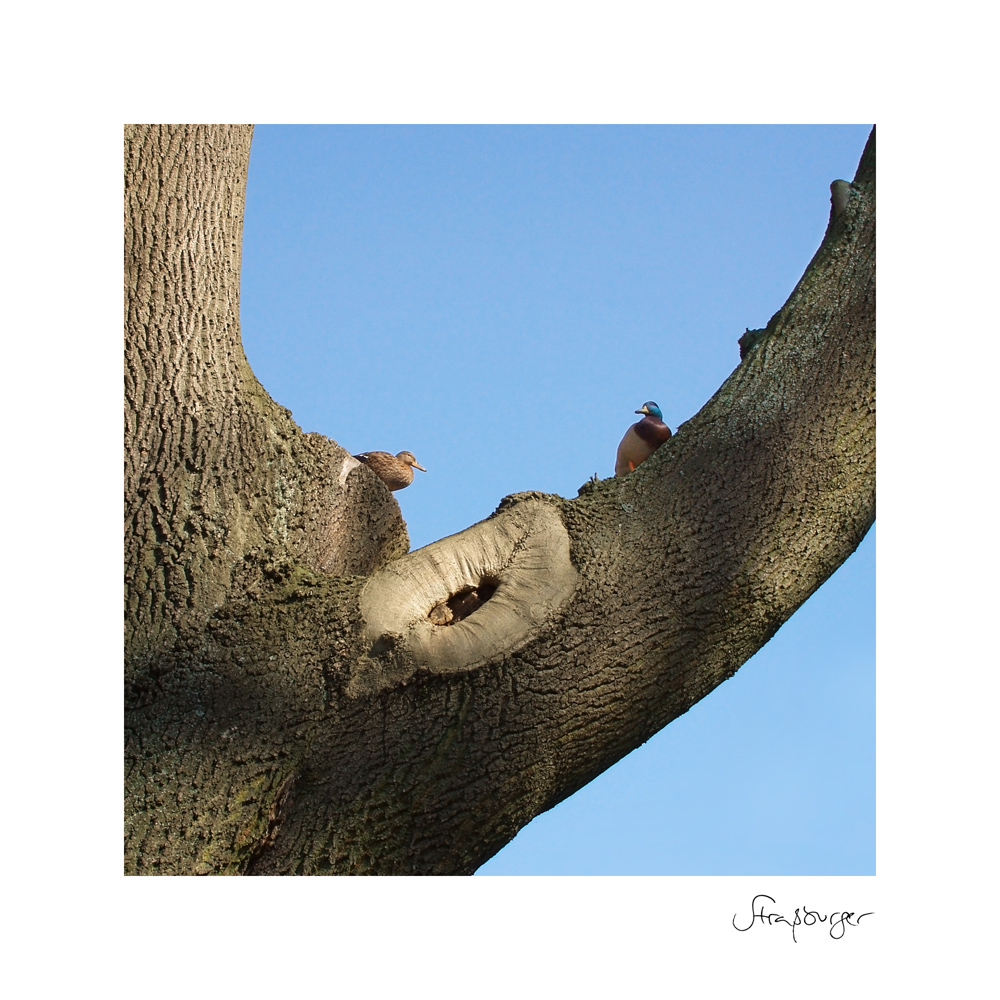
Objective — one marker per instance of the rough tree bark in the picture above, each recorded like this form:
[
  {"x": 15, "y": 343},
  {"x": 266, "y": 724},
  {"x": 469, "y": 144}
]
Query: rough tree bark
[{"x": 303, "y": 697}]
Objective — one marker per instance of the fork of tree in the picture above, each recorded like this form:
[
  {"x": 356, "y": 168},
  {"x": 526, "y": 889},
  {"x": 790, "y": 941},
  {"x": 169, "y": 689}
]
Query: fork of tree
[{"x": 304, "y": 697}]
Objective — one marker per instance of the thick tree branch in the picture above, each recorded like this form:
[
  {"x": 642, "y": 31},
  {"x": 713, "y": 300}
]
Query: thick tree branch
[
  {"x": 412, "y": 721},
  {"x": 221, "y": 486}
]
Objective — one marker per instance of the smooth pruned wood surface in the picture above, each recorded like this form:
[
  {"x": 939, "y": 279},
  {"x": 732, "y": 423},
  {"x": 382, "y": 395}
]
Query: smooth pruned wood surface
[{"x": 248, "y": 750}]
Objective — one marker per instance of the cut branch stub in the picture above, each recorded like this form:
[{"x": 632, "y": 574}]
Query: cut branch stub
[{"x": 471, "y": 597}]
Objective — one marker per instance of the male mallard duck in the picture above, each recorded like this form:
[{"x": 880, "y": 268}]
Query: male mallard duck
[
  {"x": 641, "y": 439},
  {"x": 396, "y": 471}
]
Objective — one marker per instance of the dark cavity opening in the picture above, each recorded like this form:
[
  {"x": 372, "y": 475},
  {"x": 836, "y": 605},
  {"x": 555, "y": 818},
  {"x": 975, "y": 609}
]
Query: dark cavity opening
[{"x": 462, "y": 604}]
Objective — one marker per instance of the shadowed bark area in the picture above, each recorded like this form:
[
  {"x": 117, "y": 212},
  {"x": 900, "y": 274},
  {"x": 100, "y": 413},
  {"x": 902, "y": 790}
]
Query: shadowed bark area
[{"x": 302, "y": 697}]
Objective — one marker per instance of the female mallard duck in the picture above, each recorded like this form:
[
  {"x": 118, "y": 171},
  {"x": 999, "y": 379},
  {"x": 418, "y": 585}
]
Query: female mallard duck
[
  {"x": 641, "y": 439},
  {"x": 396, "y": 471}
]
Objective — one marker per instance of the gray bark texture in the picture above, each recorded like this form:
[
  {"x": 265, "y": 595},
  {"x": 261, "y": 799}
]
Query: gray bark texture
[{"x": 304, "y": 697}]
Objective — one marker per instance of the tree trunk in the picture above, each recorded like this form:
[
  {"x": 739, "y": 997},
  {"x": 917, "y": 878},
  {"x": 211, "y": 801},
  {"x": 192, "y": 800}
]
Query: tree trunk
[{"x": 302, "y": 697}]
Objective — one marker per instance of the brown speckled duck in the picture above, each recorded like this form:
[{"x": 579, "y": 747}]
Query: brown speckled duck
[
  {"x": 396, "y": 471},
  {"x": 641, "y": 439}
]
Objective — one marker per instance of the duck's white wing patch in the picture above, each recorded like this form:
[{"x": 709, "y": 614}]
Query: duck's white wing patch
[{"x": 350, "y": 464}]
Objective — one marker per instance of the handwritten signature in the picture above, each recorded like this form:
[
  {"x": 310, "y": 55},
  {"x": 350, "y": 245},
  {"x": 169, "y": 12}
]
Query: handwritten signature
[{"x": 840, "y": 920}]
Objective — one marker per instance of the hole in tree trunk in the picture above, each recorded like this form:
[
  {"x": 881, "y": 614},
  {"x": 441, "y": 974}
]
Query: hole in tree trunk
[
  {"x": 499, "y": 580},
  {"x": 462, "y": 604}
]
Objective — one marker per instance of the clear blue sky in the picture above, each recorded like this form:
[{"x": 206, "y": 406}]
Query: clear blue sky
[{"x": 499, "y": 300}]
